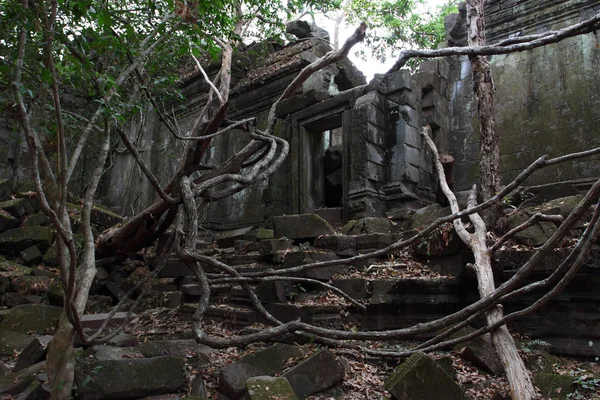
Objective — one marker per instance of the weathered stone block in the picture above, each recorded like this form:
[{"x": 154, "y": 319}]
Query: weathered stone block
[
  {"x": 319, "y": 372},
  {"x": 178, "y": 348},
  {"x": 129, "y": 378},
  {"x": 374, "y": 241},
  {"x": 270, "y": 361},
  {"x": 33, "y": 353},
  {"x": 32, "y": 255},
  {"x": 15, "y": 383},
  {"x": 10, "y": 269},
  {"x": 420, "y": 377},
  {"x": 554, "y": 386},
  {"x": 357, "y": 288},
  {"x": 228, "y": 238},
  {"x": 300, "y": 102},
  {"x": 11, "y": 342},
  {"x": 13, "y": 241},
  {"x": 303, "y": 226},
  {"x": 333, "y": 215},
  {"x": 39, "y": 219},
  {"x": 15, "y": 207},
  {"x": 7, "y": 221},
  {"x": 267, "y": 388},
  {"x": 31, "y": 318},
  {"x": 297, "y": 258},
  {"x": 95, "y": 321},
  {"x": 482, "y": 354},
  {"x": 340, "y": 244}
]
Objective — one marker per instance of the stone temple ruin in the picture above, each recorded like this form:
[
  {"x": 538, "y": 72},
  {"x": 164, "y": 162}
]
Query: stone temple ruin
[{"x": 357, "y": 163}]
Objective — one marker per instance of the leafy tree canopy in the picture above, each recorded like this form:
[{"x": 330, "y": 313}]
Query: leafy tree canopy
[{"x": 397, "y": 24}]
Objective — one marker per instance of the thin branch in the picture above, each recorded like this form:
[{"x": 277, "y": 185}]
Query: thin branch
[
  {"x": 537, "y": 217},
  {"x": 590, "y": 25}
]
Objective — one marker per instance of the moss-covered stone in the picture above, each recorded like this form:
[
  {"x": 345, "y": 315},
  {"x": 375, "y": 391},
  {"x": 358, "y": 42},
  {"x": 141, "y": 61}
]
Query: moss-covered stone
[
  {"x": 304, "y": 226},
  {"x": 129, "y": 378},
  {"x": 420, "y": 377},
  {"x": 31, "y": 255},
  {"x": 264, "y": 234},
  {"x": 36, "y": 285},
  {"x": 10, "y": 269},
  {"x": 16, "y": 240},
  {"x": 7, "y": 221},
  {"x": 38, "y": 219},
  {"x": 268, "y": 388},
  {"x": 104, "y": 217},
  {"x": 270, "y": 361},
  {"x": 372, "y": 225},
  {"x": 427, "y": 215},
  {"x": 15, "y": 383},
  {"x": 11, "y": 342},
  {"x": 554, "y": 386},
  {"x": 36, "y": 318},
  {"x": 15, "y": 207}
]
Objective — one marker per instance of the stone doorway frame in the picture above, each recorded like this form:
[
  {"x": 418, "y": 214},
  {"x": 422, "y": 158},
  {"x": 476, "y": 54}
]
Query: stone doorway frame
[{"x": 319, "y": 118}]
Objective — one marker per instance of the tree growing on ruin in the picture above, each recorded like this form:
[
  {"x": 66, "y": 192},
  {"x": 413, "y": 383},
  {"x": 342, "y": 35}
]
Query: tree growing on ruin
[{"x": 113, "y": 54}]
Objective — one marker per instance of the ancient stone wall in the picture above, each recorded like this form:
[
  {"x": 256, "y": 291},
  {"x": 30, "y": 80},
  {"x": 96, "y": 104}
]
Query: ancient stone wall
[
  {"x": 526, "y": 17},
  {"x": 547, "y": 100}
]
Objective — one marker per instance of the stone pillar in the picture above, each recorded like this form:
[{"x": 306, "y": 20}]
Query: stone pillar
[
  {"x": 404, "y": 140},
  {"x": 369, "y": 170}
]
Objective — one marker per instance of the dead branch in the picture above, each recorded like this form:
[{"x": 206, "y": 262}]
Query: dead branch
[
  {"x": 521, "y": 386},
  {"x": 590, "y": 25},
  {"x": 537, "y": 217}
]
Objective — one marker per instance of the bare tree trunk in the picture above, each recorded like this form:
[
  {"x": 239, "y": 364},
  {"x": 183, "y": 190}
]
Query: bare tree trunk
[
  {"x": 483, "y": 85},
  {"x": 521, "y": 387},
  {"x": 338, "y": 22}
]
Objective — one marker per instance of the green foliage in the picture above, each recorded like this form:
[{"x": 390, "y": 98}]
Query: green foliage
[
  {"x": 586, "y": 387},
  {"x": 536, "y": 344},
  {"x": 395, "y": 25},
  {"x": 96, "y": 40}
]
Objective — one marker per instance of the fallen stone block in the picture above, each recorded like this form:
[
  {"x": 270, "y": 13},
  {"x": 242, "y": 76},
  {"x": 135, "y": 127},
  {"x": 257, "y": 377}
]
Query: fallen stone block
[
  {"x": 228, "y": 238},
  {"x": 33, "y": 353},
  {"x": 297, "y": 258},
  {"x": 264, "y": 234},
  {"x": 10, "y": 269},
  {"x": 274, "y": 291},
  {"x": 272, "y": 246},
  {"x": 482, "y": 354},
  {"x": 270, "y": 361},
  {"x": 374, "y": 241},
  {"x": 368, "y": 225},
  {"x": 15, "y": 383},
  {"x": 357, "y": 288},
  {"x": 268, "y": 388},
  {"x": 104, "y": 217},
  {"x": 13, "y": 241},
  {"x": 129, "y": 378},
  {"x": 319, "y": 372},
  {"x": 36, "y": 318},
  {"x": 186, "y": 348},
  {"x": 37, "y": 389},
  {"x": 302, "y": 226},
  {"x": 95, "y": 321},
  {"x": 15, "y": 207},
  {"x": 420, "y": 377},
  {"x": 37, "y": 285},
  {"x": 38, "y": 219},
  {"x": 106, "y": 353},
  {"x": 343, "y": 245},
  {"x": 12, "y": 342},
  {"x": 32, "y": 255},
  {"x": 7, "y": 221},
  {"x": 554, "y": 386}
]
